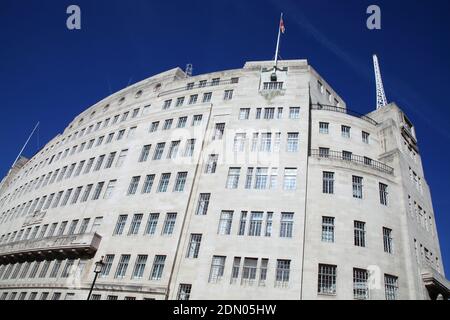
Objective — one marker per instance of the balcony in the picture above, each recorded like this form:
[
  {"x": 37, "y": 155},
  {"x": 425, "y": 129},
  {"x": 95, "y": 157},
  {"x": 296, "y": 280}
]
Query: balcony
[
  {"x": 351, "y": 158},
  {"x": 67, "y": 246},
  {"x": 325, "y": 107}
]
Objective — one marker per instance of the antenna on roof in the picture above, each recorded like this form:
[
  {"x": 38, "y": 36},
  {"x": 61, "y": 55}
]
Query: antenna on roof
[
  {"x": 189, "y": 70},
  {"x": 381, "y": 96},
  {"x": 25, "y": 145}
]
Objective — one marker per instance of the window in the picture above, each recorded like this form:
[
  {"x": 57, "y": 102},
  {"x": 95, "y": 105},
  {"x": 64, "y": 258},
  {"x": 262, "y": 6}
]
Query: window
[
  {"x": 120, "y": 225},
  {"x": 154, "y": 126},
  {"x": 283, "y": 272},
  {"x": 248, "y": 178},
  {"x": 55, "y": 269},
  {"x": 139, "y": 266},
  {"x": 256, "y": 219},
  {"x": 292, "y": 142},
  {"x": 269, "y": 222},
  {"x": 360, "y": 285},
  {"x": 121, "y": 159},
  {"x": 167, "y": 104},
  {"x": 194, "y": 246},
  {"x": 226, "y": 218},
  {"x": 286, "y": 225},
  {"x": 345, "y": 131},
  {"x": 219, "y": 130},
  {"x": 360, "y": 233},
  {"x": 182, "y": 122},
  {"x": 135, "y": 113},
  {"x": 290, "y": 179},
  {"x": 169, "y": 224},
  {"x": 228, "y": 95},
  {"x": 269, "y": 113},
  {"x": 390, "y": 287},
  {"x": 202, "y": 83},
  {"x": 179, "y": 102},
  {"x": 266, "y": 142},
  {"x": 207, "y": 97},
  {"x": 184, "y": 292},
  {"x": 131, "y": 132},
  {"x": 135, "y": 224},
  {"x": 98, "y": 191},
  {"x": 159, "y": 151},
  {"x": 148, "y": 183},
  {"x": 327, "y": 229},
  {"x": 145, "y": 153},
  {"x": 84, "y": 225},
  {"x": 328, "y": 182},
  {"x": 167, "y": 124},
  {"x": 158, "y": 267},
  {"x": 387, "y": 240},
  {"x": 133, "y": 185},
  {"x": 120, "y": 135},
  {"x": 324, "y": 152},
  {"x": 190, "y": 86},
  {"x": 215, "y": 82},
  {"x": 239, "y": 142},
  {"x": 327, "y": 279},
  {"x": 110, "y": 160},
  {"x": 365, "y": 137},
  {"x": 152, "y": 223},
  {"x": 189, "y": 148},
  {"x": 72, "y": 227},
  {"x": 242, "y": 223},
  {"x": 99, "y": 163},
  {"x": 273, "y": 85},
  {"x": 211, "y": 165},
  {"x": 294, "y": 113},
  {"x": 347, "y": 155},
  {"x": 233, "y": 178},
  {"x": 111, "y": 297},
  {"x": 163, "y": 182},
  {"x": 197, "y": 120},
  {"x": 203, "y": 202},
  {"x": 357, "y": 187},
  {"x": 67, "y": 268},
  {"x": 122, "y": 266},
  {"x": 244, "y": 113},
  {"x": 261, "y": 178},
  {"x": 86, "y": 193},
  {"x": 273, "y": 182},
  {"x": 180, "y": 182},
  {"x": 217, "y": 268},
  {"x": 235, "y": 269},
  {"x": 66, "y": 197},
  {"x": 258, "y": 113},
  {"x": 383, "y": 194},
  {"x": 96, "y": 297},
  {"x": 249, "y": 270},
  {"x": 193, "y": 99}
]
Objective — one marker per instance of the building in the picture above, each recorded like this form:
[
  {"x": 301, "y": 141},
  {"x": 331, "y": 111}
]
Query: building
[{"x": 254, "y": 183}]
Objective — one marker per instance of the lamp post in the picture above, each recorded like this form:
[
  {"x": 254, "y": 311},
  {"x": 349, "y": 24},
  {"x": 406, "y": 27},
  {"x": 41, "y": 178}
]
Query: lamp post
[{"x": 98, "y": 268}]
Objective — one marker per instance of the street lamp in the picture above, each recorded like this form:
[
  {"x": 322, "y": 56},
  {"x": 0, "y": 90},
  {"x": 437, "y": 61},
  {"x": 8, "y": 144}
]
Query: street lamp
[{"x": 98, "y": 268}]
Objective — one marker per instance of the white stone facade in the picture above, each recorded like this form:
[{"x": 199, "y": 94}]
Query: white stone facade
[{"x": 298, "y": 206}]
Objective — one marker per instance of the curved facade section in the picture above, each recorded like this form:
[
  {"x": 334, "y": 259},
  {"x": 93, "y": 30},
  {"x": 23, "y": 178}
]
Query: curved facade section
[{"x": 254, "y": 183}]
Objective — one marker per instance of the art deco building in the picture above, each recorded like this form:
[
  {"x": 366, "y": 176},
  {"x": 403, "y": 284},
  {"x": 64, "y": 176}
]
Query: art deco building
[{"x": 254, "y": 183}]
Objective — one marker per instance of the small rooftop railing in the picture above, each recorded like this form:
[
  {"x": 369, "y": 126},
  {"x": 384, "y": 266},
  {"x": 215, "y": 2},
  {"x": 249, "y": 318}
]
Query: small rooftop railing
[
  {"x": 326, "y": 107},
  {"x": 199, "y": 86},
  {"x": 351, "y": 158}
]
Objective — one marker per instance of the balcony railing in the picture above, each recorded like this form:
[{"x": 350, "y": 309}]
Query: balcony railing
[
  {"x": 351, "y": 158},
  {"x": 326, "y": 107},
  {"x": 197, "y": 86},
  {"x": 76, "y": 245}
]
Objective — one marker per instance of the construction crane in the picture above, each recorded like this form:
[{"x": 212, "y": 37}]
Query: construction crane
[{"x": 381, "y": 96}]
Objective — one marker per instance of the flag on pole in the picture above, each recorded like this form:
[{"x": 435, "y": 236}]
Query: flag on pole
[{"x": 282, "y": 28}]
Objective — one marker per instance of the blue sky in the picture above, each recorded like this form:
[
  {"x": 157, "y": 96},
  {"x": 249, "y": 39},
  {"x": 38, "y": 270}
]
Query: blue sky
[{"x": 50, "y": 74}]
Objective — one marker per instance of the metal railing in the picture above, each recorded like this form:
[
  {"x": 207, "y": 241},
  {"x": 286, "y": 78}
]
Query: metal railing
[
  {"x": 326, "y": 107},
  {"x": 360, "y": 160},
  {"x": 198, "y": 86}
]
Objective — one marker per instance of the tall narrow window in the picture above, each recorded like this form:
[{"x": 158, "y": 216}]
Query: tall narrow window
[
  {"x": 294, "y": 113},
  {"x": 269, "y": 222},
  {"x": 163, "y": 182},
  {"x": 139, "y": 266},
  {"x": 357, "y": 187},
  {"x": 122, "y": 266},
  {"x": 327, "y": 279},
  {"x": 133, "y": 185},
  {"x": 135, "y": 224},
  {"x": 360, "y": 233},
  {"x": 360, "y": 285},
  {"x": 233, "y": 178},
  {"x": 383, "y": 194},
  {"x": 249, "y": 271},
  {"x": 242, "y": 223},
  {"x": 365, "y": 137},
  {"x": 328, "y": 182},
  {"x": 235, "y": 269},
  {"x": 345, "y": 131},
  {"x": 148, "y": 183},
  {"x": 203, "y": 203},
  {"x": 244, "y": 113},
  {"x": 145, "y": 153},
  {"x": 387, "y": 240},
  {"x": 182, "y": 122},
  {"x": 324, "y": 127},
  {"x": 217, "y": 268},
  {"x": 173, "y": 151},
  {"x": 184, "y": 291},
  {"x": 248, "y": 178},
  {"x": 211, "y": 165},
  {"x": 197, "y": 120},
  {"x": 180, "y": 182},
  {"x": 207, "y": 97},
  {"x": 159, "y": 151},
  {"x": 194, "y": 246},
  {"x": 283, "y": 272},
  {"x": 228, "y": 95},
  {"x": 189, "y": 148},
  {"x": 158, "y": 267},
  {"x": 256, "y": 219},
  {"x": 219, "y": 131},
  {"x": 152, "y": 223},
  {"x": 390, "y": 287},
  {"x": 121, "y": 159},
  {"x": 266, "y": 142},
  {"x": 328, "y": 229},
  {"x": 239, "y": 142},
  {"x": 226, "y": 218},
  {"x": 261, "y": 178},
  {"x": 169, "y": 224},
  {"x": 292, "y": 142},
  {"x": 286, "y": 224},
  {"x": 167, "y": 124},
  {"x": 110, "y": 189},
  {"x": 290, "y": 179},
  {"x": 120, "y": 225},
  {"x": 110, "y": 160}
]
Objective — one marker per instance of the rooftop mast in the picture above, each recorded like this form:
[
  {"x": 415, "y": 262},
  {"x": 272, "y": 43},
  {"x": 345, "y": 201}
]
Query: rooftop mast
[{"x": 381, "y": 96}]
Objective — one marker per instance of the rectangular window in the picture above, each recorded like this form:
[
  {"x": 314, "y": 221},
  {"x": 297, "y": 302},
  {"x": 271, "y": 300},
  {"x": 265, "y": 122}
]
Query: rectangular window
[
  {"x": 152, "y": 223},
  {"x": 233, "y": 178},
  {"x": 273, "y": 85},
  {"x": 163, "y": 182},
  {"x": 211, "y": 165},
  {"x": 248, "y": 178},
  {"x": 391, "y": 287},
  {"x": 179, "y": 102},
  {"x": 357, "y": 187},
  {"x": 218, "y": 131},
  {"x": 387, "y": 240},
  {"x": 120, "y": 225},
  {"x": 347, "y": 155},
  {"x": 328, "y": 182},
  {"x": 98, "y": 190},
  {"x": 169, "y": 224},
  {"x": 294, "y": 113},
  {"x": 266, "y": 142},
  {"x": 226, "y": 218},
  {"x": 67, "y": 268},
  {"x": 121, "y": 159},
  {"x": 235, "y": 269},
  {"x": 228, "y": 95},
  {"x": 290, "y": 179},
  {"x": 148, "y": 183},
  {"x": 360, "y": 285},
  {"x": 86, "y": 193},
  {"x": 217, "y": 268},
  {"x": 145, "y": 153},
  {"x": 242, "y": 223},
  {"x": 292, "y": 142},
  {"x": 189, "y": 148},
  {"x": 327, "y": 229},
  {"x": 383, "y": 194},
  {"x": 99, "y": 163},
  {"x": 184, "y": 291},
  {"x": 159, "y": 151},
  {"x": 122, "y": 266},
  {"x": 180, "y": 182},
  {"x": 269, "y": 113},
  {"x": 249, "y": 271},
  {"x": 283, "y": 272},
  {"x": 154, "y": 126},
  {"x": 167, "y": 104},
  {"x": 84, "y": 225},
  {"x": 72, "y": 227},
  {"x": 135, "y": 224},
  {"x": 139, "y": 266},
  {"x": 207, "y": 97},
  {"x": 193, "y": 99},
  {"x": 258, "y": 113},
  {"x": 197, "y": 120},
  {"x": 44, "y": 269},
  {"x": 158, "y": 267},
  {"x": 365, "y": 137},
  {"x": 269, "y": 223},
  {"x": 286, "y": 224},
  {"x": 261, "y": 178},
  {"x": 255, "y": 227},
  {"x": 167, "y": 124},
  {"x": 173, "y": 150},
  {"x": 182, "y": 122},
  {"x": 133, "y": 185},
  {"x": 110, "y": 160},
  {"x": 327, "y": 279},
  {"x": 360, "y": 233},
  {"x": 120, "y": 135},
  {"x": 345, "y": 131},
  {"x": 273, "y": 183},
  {"x": 324, "y": 152},
  {"x": 203, "y": 203},
  {"x": 194, "y": 246},
  {"x": 239, "y": 142},
  {"x": 244, "y": 113}
]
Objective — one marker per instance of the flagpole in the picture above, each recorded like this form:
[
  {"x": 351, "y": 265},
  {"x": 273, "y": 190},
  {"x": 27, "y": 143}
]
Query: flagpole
[{"x": 278, "y": 42}]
